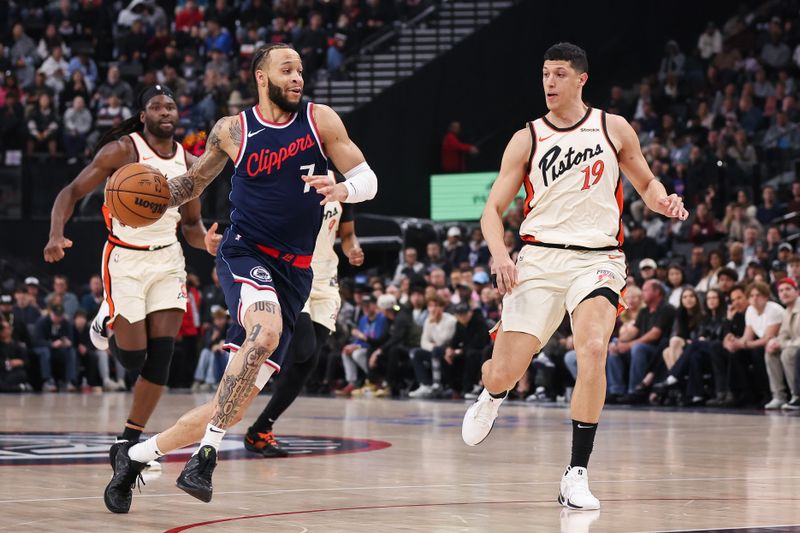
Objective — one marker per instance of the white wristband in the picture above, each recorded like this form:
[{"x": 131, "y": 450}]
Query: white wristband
[{"x": 361, "y": 183}]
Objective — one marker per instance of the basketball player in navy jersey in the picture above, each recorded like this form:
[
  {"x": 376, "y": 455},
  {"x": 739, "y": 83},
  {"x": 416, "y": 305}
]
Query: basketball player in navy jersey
[
  {"x": 569, "y": 162},
  {"x": 280, "y": 148},
  {"x": 143, "y": 269},
  {"x": 316, "y": 323}
]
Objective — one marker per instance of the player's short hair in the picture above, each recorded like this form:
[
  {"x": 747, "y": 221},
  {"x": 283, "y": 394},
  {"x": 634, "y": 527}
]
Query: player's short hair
[
  {"x": 574, "y": 54},
  {"x": 262, "y": 54}
]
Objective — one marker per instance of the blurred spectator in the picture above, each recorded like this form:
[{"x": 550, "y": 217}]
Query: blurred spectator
[
  {"x": 116, "y": 86},
  {"x": 409, "y": 267},
  {"x": 13, "y": 126},
  {"x": 218, "y": 37},
  {"x": 13, "y": 362},
  {"x": 748, "y": 377},
  {"x": 88, "y": 356},
  {"x": 454, "y": 150},
  {"x": 111, "y": 114},
  {"x": 52, "y": 340},
  {"x": 371, "y": 332},
  {"x": 466, "y": 353},
  {"x": 184, "y": 360},
  {"x": 56, "y": 69},
  {"x": 710, "y": 42},
  {"x": 43, "y": 127},
  {"x": 712, "y": 268},
  {"x": 49, "y": 40},
  {"x": 387, "y": 361},
  {"x": 22, "y": 54},
  {"x": 91, "y": 300},
  {"x": 653, "y": 326},
  {"x": 87, "y": 66},
  {"x": 769, "y": 210},
  {"x": 77, "y": 125},
  {"x": 188, "y": 17},
  {"x": 311, "y": 44},
  {"x": 213, "y": 357},
  {"x": 781, "y": 351},
  {"x": 375, "y": 15},
  {"x": 66, "y": 298},
  {"x": 76, "y": 86},
  {"x": 437, "y": 333}
]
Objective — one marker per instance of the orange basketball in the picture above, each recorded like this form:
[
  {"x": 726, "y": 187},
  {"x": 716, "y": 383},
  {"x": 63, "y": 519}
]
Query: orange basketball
[{"x": 137, "y": 195}]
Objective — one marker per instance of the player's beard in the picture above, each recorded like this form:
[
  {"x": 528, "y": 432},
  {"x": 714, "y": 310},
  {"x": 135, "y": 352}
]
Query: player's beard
[
  {"x": 275, "y": 94},
  {"x": 155, "y": 129}
]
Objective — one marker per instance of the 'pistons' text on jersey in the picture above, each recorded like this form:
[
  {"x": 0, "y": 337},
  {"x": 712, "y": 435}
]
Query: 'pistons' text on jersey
[
  {"x": 573, "y": 188},
  {"x": 271, "y": 205}
]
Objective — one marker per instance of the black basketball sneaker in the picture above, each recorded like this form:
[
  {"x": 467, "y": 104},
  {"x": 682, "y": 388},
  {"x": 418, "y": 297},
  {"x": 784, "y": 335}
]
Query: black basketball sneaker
[
  {"x": 196, "y": 476},
  {"x": 119, "y": 491}
]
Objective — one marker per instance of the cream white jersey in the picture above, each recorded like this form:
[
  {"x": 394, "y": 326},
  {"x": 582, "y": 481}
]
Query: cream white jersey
[
  {"x": 162, "y": 232},
  {"x": 573, "y": 187},
  {"x": 325, "y": 262}
]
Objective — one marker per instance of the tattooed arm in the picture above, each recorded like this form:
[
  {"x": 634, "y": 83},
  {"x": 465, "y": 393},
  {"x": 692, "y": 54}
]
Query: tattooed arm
[{"x": 223, "y": 143}]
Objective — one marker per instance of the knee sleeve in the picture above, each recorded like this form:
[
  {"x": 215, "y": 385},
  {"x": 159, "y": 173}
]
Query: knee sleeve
[
  {"x": 606, "y": 293},
  {"x": 130, "y": 359},
  {"x": 159, "y": 356}
]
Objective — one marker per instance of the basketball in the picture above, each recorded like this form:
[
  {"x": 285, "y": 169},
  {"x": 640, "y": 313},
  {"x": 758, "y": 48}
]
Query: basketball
[{"x": 137, "y": 195}]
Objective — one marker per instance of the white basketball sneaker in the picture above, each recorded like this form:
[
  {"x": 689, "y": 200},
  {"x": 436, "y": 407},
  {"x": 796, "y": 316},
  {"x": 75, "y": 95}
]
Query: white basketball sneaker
[
  {"x": 575, "y": 493},
  {"x": 97, "y": 331},
  {"x": 479, "y": 418}
]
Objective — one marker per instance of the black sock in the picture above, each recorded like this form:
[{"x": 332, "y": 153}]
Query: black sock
[
  {"x": 499, "y": 396},
  {"x": 132, "y": 431},
  {"x": 582, "y": 442}
]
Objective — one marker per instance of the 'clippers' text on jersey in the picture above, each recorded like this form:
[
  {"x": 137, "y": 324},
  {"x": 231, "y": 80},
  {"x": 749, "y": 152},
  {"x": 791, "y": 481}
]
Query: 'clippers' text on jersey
[{"x": 270, "y": 203}]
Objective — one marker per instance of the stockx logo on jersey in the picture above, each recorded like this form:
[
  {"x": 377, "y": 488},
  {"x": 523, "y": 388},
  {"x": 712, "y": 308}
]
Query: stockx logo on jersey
[
  {"x": 265, "y": 160},
  {"x": 556, "y": 165}
]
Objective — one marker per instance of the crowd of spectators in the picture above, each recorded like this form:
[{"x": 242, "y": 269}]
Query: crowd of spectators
[
  {"x": 69, "y": 71},
  {"x": 712, "y": 303}
]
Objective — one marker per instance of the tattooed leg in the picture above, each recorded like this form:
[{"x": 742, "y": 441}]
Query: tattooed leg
[{"x": 192, "y": 425}]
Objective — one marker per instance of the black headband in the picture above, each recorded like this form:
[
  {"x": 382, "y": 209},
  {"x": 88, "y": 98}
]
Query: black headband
[{"x": 150, "y": 92}]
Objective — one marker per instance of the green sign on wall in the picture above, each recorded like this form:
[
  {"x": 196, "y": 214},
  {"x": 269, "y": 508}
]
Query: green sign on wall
[{"x": 461, "y": 196}]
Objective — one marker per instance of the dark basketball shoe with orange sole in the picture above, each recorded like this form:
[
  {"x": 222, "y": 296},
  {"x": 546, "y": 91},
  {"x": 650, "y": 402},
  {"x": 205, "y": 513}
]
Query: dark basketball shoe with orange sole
[{"x": 265, "y": 444}]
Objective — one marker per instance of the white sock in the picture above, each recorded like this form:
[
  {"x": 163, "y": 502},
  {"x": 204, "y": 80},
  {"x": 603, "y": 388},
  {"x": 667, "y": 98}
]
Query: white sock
[
  {"x": 146, "y": 451},
  {"x": 213, "y": 437},
  {"x": 671, "y": 380}
]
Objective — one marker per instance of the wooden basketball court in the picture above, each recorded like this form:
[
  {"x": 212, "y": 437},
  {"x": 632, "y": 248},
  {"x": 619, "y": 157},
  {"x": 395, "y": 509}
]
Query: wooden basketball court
[{"x": 372, "y": 465}]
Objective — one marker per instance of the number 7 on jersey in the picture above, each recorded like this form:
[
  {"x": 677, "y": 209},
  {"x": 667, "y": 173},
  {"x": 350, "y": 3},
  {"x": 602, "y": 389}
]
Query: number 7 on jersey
[{"x": 310, "y": 169}]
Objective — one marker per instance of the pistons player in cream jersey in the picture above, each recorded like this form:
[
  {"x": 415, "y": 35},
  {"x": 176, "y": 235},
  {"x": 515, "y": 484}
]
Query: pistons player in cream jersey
[
  {"x": 569, "y": 163},
  {"x": 143, "y": 269},
  {"x": 316, "y": 323}
]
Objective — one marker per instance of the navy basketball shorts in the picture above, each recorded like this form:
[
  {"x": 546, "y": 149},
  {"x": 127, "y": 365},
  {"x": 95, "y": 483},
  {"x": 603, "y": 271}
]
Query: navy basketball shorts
[{"x": 248, "y": 275}]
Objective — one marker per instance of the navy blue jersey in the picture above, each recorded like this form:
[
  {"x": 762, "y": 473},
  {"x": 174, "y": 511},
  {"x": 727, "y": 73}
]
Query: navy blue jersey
[{"x": 270, "y": 203}]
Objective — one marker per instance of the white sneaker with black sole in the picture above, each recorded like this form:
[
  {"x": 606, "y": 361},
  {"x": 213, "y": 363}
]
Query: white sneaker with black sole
[
  {"x": 575, "y": 493},
  {"x": 97, "y": 331},
  {"x": 479, "y": 418}
]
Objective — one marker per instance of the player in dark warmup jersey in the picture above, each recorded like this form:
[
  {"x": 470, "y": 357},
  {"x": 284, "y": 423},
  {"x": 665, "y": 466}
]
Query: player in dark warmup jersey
[
  {"x": 145, "y": 266},
  {"x": 280, "y": 148},
  {"x": 316, "y": 323}
]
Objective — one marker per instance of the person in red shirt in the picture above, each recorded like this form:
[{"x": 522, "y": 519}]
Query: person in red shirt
[
  {"x": 453, "y": 150},
  {"x": 188, "y": 17}
]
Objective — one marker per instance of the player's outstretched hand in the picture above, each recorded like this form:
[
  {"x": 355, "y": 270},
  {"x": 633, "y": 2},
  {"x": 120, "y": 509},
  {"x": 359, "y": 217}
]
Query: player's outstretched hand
[
  {"x": 326, "y": 186},
  {"x": 672, "y": 207},
  {"x": 505, "y": 272},
  {"x": 54, "y": 251},
  {"x": 212, "y": 239},
  {"x": 356, "y": 256}
]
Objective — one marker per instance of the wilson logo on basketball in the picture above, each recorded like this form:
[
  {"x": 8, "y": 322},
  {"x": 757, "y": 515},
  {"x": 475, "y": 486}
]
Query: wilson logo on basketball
[
  {"x": 154, "y": 207},
  {"x": 265, "y": 160}
]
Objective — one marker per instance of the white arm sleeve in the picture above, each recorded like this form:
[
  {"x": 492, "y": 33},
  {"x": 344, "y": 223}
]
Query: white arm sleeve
[{"x": 361, "y": 183}]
